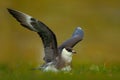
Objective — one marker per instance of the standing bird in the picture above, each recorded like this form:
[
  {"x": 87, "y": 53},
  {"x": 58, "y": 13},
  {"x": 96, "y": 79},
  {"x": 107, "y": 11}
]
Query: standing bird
[{"x": 56, "y": 58}]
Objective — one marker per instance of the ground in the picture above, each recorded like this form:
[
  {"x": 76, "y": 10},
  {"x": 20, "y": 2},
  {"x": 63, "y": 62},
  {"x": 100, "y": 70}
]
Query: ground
[{"x": 80, "y": 72}]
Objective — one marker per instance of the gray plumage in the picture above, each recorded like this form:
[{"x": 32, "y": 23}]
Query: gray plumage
[{"x": 54, "y": 55}]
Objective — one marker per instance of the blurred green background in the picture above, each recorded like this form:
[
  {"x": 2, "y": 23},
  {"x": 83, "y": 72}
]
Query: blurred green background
[{"x": 100, "y": 20}]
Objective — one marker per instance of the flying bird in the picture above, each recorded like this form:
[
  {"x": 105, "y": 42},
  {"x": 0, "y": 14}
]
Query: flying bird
[{"x": 57, "y": 58}]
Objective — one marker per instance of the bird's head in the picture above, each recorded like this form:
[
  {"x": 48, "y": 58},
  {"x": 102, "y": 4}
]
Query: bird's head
[{"x": 68, "y": 51}]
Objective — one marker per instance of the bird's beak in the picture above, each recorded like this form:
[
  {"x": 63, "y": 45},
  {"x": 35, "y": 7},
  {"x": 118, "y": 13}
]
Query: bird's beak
[{"x": 73, "y": 51}]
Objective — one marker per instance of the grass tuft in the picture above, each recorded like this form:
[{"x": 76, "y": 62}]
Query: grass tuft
[{"x": 83, "y": 72}]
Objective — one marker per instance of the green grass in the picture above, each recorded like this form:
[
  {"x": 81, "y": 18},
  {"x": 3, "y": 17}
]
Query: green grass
[{"x": 80, "y": 72}]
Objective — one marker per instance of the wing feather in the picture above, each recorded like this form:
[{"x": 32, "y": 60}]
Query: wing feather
[
  {"x": 47, "y": 36},
  {"x": 77, "y": 36}
]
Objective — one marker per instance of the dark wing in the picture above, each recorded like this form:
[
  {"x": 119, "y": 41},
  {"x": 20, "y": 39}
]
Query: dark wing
[
  {"x": 48, "y": 37},
  {"x": 77, "y": 36}
]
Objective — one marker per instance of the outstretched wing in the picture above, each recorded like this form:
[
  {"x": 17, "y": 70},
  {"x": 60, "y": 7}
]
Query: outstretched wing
[
  {"x": 47, "y": 36},
  {"x": 77, "y": 36}
]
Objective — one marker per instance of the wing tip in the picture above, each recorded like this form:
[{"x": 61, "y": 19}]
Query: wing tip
[
  {"x": 14, "y": 13},
  {"x": 79, "y": 31},
  {"x": 10, "y": 10},
  {"x": 79, "y": 28}
]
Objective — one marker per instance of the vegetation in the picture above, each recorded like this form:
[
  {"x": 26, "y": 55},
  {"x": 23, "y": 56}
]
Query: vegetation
[
  {"x": 98, "y": 55},
  {"x": 80, "y": 72}
]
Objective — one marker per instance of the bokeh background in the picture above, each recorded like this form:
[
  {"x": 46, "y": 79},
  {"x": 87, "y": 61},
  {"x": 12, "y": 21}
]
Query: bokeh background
[{"x": 100, "y": 20}]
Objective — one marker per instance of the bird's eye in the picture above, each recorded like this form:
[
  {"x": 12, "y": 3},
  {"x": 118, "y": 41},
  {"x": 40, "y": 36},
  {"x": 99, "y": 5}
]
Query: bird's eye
[
  {"x": 33, "y": 19},
  {"x": 69, "y": 49}
]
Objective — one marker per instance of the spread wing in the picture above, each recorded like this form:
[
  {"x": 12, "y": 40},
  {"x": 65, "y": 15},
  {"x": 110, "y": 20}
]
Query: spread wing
[
  {"x": 47, "y": 36},
  {"x": 77, "y": 36}
]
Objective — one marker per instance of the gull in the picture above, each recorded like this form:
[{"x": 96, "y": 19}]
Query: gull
[{"x": 57, "y": 58}]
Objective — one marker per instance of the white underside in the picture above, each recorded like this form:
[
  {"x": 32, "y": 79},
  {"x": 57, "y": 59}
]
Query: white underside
[
  {"x": 50, "y": 68},
  {"x": 67, "y": 57},
  {"x": 67, "y": 68},
  {"x": 53, "y": 69}
]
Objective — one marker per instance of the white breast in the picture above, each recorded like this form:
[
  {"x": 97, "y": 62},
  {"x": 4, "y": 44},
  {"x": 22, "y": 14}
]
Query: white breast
[{"x": 67, "y": 56}]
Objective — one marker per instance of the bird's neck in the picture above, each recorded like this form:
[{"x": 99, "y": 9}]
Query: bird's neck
[{"x": 67, "y": 56}]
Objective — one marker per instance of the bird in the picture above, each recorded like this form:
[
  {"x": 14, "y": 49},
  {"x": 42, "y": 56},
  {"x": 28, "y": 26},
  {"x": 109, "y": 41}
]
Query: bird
[{"x": 57, "y": 58}]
